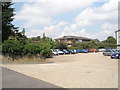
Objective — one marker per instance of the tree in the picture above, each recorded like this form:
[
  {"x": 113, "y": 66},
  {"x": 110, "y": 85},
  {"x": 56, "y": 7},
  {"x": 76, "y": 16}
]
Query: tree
[
  {"x": 110, "y": 39},
  {"x": 61, "y": 45},
  {"x": 20, "y": 36},
  {"x": 7, "y": 18}
]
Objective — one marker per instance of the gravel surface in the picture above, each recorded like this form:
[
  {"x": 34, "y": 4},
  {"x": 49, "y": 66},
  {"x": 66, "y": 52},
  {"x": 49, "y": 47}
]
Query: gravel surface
[{"x": 84, "y": 70}]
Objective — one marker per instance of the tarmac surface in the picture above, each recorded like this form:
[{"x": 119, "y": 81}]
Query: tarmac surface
[
  {"x": 83, "y": 70},
  {"x": 12, "y": 79}
]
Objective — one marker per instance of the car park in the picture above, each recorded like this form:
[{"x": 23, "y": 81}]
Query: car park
[{"x": 109, "y": 52}]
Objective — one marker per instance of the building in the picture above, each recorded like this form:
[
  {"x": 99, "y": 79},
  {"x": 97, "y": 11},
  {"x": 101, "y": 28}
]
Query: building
[
  {"x": 69, "y": 39},
  {"x": 118, "y": 38}
]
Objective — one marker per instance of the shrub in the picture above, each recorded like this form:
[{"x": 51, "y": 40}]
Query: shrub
[
  {"x": 31, "y": 49},
  {"x": 13, "y": 48},
  {"x": 43, "y": 49}
]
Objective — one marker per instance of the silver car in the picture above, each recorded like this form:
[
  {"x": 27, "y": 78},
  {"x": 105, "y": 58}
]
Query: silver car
[{"x": 109, "y": 52}]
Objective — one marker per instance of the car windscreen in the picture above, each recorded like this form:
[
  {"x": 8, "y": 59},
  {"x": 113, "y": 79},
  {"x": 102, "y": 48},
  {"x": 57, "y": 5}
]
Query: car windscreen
[{"x": 114, "y": 51}]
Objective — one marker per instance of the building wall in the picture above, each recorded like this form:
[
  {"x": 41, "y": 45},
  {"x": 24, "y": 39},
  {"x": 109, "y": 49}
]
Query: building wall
[
  {"x": 118, "y": 38},
  {"x": 69, "y": 41}
]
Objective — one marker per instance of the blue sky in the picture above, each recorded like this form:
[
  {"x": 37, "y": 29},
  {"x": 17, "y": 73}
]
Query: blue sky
[{"x": 66, "y": 17}]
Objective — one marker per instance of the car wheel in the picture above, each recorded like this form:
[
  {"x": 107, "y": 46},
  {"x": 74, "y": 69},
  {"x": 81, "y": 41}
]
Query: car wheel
[
  {"x": 111, "y": 57},
  {"x": 119, "y": 57},
  {"x": 104, "y": 54}
]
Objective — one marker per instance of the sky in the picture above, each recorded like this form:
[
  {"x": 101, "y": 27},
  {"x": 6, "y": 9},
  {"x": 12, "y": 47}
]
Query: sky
[{"x": 94, "y": 19}]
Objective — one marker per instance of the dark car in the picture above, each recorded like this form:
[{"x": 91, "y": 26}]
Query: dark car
[
  {"x": 115, "y": 56},
  {"x": 71, "y": 51},
  {"x": 65, "y": 51}
]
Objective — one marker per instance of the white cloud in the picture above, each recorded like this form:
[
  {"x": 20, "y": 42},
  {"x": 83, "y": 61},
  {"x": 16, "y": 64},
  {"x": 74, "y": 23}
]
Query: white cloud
[
  {"x": 109, "y": 26},
  {"x": 108, "y": 12},
  {"x": 43, "y": 13},
  {"x": 53, "y": 31},
  {"x": 53, "y": 7},
  {"x": 40, "y": 12},
  {"x": 108, "y": 29}
]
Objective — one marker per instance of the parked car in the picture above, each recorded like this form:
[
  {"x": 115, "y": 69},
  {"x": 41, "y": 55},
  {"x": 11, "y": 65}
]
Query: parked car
[
  {"x": 65, "y": 51},
  {"x": 55, "y": 52},
  {"x": 109, "y": 52},
  {"x": 74, "y": 50},
  {"x": 101, "y": 50},
  {"x": 93, "y": 50},
  {"x": 60, "y": 52},
  {"x": 77, "y": 50},
  {"x": 83, "y": 51},
  {"x": 115, "y": 56},
  {"x": 118, "y": 51},
  {"x": 71, "y": 51}
]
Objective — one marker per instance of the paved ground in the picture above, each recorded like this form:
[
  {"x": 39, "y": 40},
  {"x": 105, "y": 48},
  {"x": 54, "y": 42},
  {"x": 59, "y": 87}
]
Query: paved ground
[
  {"x": 12, "y": 79},
  {"x": 84, "y": 70}
]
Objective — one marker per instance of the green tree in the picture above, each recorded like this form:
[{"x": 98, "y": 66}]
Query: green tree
[
  {"x": 33, "y": 39},
  {"x": 20, "y": 36},
  {"x": 111, "y": 39},
  {"x": 61, "y": 45},
  {"x": 43, "y": 47},
  {"x": 7, "y": 18}
]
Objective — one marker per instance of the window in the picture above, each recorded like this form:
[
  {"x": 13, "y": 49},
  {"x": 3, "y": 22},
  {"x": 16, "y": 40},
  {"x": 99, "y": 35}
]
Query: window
[
  {"x": 119, "y": 36},
  {"x": 79, "y": 40}
]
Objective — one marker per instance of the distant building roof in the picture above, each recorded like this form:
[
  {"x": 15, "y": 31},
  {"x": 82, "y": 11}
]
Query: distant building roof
[
  {"x": 74, "y": 37},
  {"x": 36, "y": 41}
]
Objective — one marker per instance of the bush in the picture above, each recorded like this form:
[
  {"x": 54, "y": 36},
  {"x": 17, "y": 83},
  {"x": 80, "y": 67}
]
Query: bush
[
  {"x": 92, "y": 44},
  {"x": 13, "y": 48},
  {"x": 43, "y": 48},
  {"x": 31, "y": 49}
]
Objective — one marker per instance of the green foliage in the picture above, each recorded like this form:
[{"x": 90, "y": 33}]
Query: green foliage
[
  {"x": 110, "y": 39},
  {"x": 43, "y": 48},
  {"x": 46, "y": 45},
  {"x": 73, "y": 47},
  {"x": 92, "y": 44},
  {"x": 61, "y": 45},
  {"x": 19, "y": 37},
  {"x": 7, "y": 18},
  {"x": 13, "y": 48},
  {"x": 30, "y": 40},
  {"x": 73, "y": 42},
  {"x": 106, "y": 45},
  {"x": 31, "y": 49}
]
